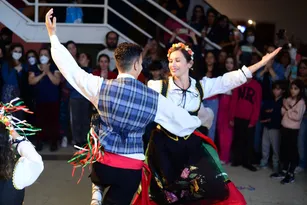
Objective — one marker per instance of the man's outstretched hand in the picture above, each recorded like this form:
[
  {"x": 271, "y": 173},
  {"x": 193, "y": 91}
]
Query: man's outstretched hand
[{"x": 50, "y": 23}]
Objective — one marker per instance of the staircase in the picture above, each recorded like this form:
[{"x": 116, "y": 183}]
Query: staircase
[
  {"x": 82, "y": 33},
  {"x": 30, "y": 31}
]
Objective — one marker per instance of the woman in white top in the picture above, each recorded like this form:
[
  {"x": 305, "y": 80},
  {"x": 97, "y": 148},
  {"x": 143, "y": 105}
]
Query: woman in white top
[
  {"x": 170, "y": 154},
  {"x": 20, "y": 164}
]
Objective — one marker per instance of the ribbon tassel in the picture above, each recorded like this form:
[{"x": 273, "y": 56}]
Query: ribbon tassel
[
  {"x": 88, "y": 154},
  {"x": 22, "y": 127}
]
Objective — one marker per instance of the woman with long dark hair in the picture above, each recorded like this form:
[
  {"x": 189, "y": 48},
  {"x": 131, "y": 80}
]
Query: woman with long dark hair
[
  {"x": 198, "y": 19},
  {"x": 20, "y": 164}
]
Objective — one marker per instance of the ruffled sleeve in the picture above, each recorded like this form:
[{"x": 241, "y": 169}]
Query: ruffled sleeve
[{"x": 29, "y": 166}]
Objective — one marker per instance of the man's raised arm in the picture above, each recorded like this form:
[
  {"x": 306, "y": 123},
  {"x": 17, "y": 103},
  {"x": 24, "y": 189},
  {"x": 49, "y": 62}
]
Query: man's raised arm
[{"x": 86, "y": 84}]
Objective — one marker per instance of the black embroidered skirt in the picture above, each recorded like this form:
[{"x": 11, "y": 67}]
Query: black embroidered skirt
[{"x": 184, "y": 170}]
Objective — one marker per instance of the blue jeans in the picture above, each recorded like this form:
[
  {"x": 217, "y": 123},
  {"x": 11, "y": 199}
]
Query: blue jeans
[
  {"x": 213, "y": 104},
  {"x": 302, "y": 144}
]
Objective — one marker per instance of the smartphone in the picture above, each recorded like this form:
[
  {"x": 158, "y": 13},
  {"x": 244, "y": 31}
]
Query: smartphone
[
  {"x": 246, "y": 49},
  {"x": 183, "y": 31}
]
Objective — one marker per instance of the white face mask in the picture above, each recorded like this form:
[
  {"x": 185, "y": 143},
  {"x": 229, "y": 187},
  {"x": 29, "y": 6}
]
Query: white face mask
[
  {"x": 16, "y": 55},
  {"x": 32, "y": 60},
  {"x": 44, "y": 59},
  {"x": 250, "y": 39}
]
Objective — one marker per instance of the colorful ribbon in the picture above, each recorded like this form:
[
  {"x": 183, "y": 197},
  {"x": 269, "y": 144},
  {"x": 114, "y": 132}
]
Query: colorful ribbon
[
  {"x": 88, "y": 154},
  {"x": 12, "y": 123}
]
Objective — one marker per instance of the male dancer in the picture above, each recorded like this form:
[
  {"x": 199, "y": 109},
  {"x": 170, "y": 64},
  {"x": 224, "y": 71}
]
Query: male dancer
[{"x": 125, "y": 106}]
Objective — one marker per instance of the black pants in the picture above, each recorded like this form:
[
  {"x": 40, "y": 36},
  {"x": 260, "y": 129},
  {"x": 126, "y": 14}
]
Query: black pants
[
  {"x": 79, "y": 119},
  {"x": 243, "y": 142},
  {"x": 122, "y": 183},
  {"x": 289, "y": 149},
  {"x": 9, "y": 195}
]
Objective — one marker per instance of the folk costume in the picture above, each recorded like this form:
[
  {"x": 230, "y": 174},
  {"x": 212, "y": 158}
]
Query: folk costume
[
  {"x": 125, "y": 106},
  {"x": 28, "y": 163},
  {"x": 187, "y": 169}
]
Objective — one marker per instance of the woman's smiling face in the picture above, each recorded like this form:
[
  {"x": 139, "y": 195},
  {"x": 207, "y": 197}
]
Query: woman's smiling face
[{"x": 178, "y": 64}]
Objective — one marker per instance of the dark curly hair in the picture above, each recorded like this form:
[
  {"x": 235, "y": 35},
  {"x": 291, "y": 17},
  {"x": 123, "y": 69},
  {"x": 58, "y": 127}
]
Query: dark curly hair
[{"x": 6, "y": 154}]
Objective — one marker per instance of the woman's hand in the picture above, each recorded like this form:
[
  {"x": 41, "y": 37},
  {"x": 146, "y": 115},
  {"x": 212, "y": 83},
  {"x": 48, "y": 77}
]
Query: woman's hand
[
  {"x": 264, "y": 61},
  {"x": 14, "y": 134}
]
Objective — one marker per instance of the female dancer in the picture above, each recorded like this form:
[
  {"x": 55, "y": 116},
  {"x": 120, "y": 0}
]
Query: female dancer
[
  {"x": 20, "y": 165},
  {"x": 168, "y": 155}
]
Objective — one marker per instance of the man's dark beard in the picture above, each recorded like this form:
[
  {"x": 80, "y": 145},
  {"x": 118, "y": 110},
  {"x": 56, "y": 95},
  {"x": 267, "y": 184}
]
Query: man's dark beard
[{"x": 112, "y": 46}]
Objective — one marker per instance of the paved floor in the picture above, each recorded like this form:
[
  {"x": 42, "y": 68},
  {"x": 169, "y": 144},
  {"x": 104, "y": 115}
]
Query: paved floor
[{"x": 57, "y": 187}]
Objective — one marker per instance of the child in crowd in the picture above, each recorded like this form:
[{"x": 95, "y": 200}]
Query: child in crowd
[
  {"x": 244, "y": 113},
  {"x": 292, "y": 111},
  {"x": 271, "y": 119}
]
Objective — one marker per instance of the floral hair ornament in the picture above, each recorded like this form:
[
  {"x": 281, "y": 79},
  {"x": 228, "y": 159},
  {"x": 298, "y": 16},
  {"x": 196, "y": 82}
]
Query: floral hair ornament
[
  {"x": 12, "y": 123},
  {"x": 182, "y": 46}
]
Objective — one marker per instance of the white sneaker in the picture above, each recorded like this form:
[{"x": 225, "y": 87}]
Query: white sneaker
[
  {"x": 298, "y": 170},
  {"x": 64, "y": 142},
  {"x": 96, "y": 195}
]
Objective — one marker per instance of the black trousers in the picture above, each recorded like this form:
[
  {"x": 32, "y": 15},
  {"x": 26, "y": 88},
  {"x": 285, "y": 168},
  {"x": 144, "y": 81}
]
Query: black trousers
[
  {"x": 289, "y": 149},
  {"x": 243, "y": 142},
  {"x": 122, "y": 183},
  {"x": 79, "y": 119}
]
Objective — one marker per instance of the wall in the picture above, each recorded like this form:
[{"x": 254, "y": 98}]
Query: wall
[
  {"x": 291, "y": 15},
  {"x": 27, "y": 46}
]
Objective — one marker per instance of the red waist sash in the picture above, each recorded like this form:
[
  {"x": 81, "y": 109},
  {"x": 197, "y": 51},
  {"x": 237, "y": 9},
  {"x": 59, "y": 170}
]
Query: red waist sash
[{"x": 118, "y": 161}]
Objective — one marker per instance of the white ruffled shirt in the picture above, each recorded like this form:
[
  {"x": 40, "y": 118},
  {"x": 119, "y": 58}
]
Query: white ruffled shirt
[
  {"x": 211, "y": 86},
  {"x": 29, "y": 166}
]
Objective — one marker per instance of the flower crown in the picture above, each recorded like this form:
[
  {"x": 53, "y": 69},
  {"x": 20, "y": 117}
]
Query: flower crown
[
  {"x": 183, "y": 46},
  {"x": 12, "y": 123}
]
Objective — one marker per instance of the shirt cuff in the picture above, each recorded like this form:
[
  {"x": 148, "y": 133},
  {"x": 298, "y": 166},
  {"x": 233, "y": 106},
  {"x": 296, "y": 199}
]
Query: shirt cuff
[{"x": 247, "y": 72}]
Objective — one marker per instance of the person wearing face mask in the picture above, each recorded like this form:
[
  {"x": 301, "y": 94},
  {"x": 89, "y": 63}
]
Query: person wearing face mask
[
  {"x": 44, "y": 76},
  {"x": 247, "y": 48},
  {"x": 14, "y": 75},
  {"x": 31, "y": 60}
]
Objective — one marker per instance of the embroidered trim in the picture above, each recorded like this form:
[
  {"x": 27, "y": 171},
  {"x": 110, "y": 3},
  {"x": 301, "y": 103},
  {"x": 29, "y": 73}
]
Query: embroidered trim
[
  {"x": 176, "y": 138},
  {"x": 14, "y": 171}
]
